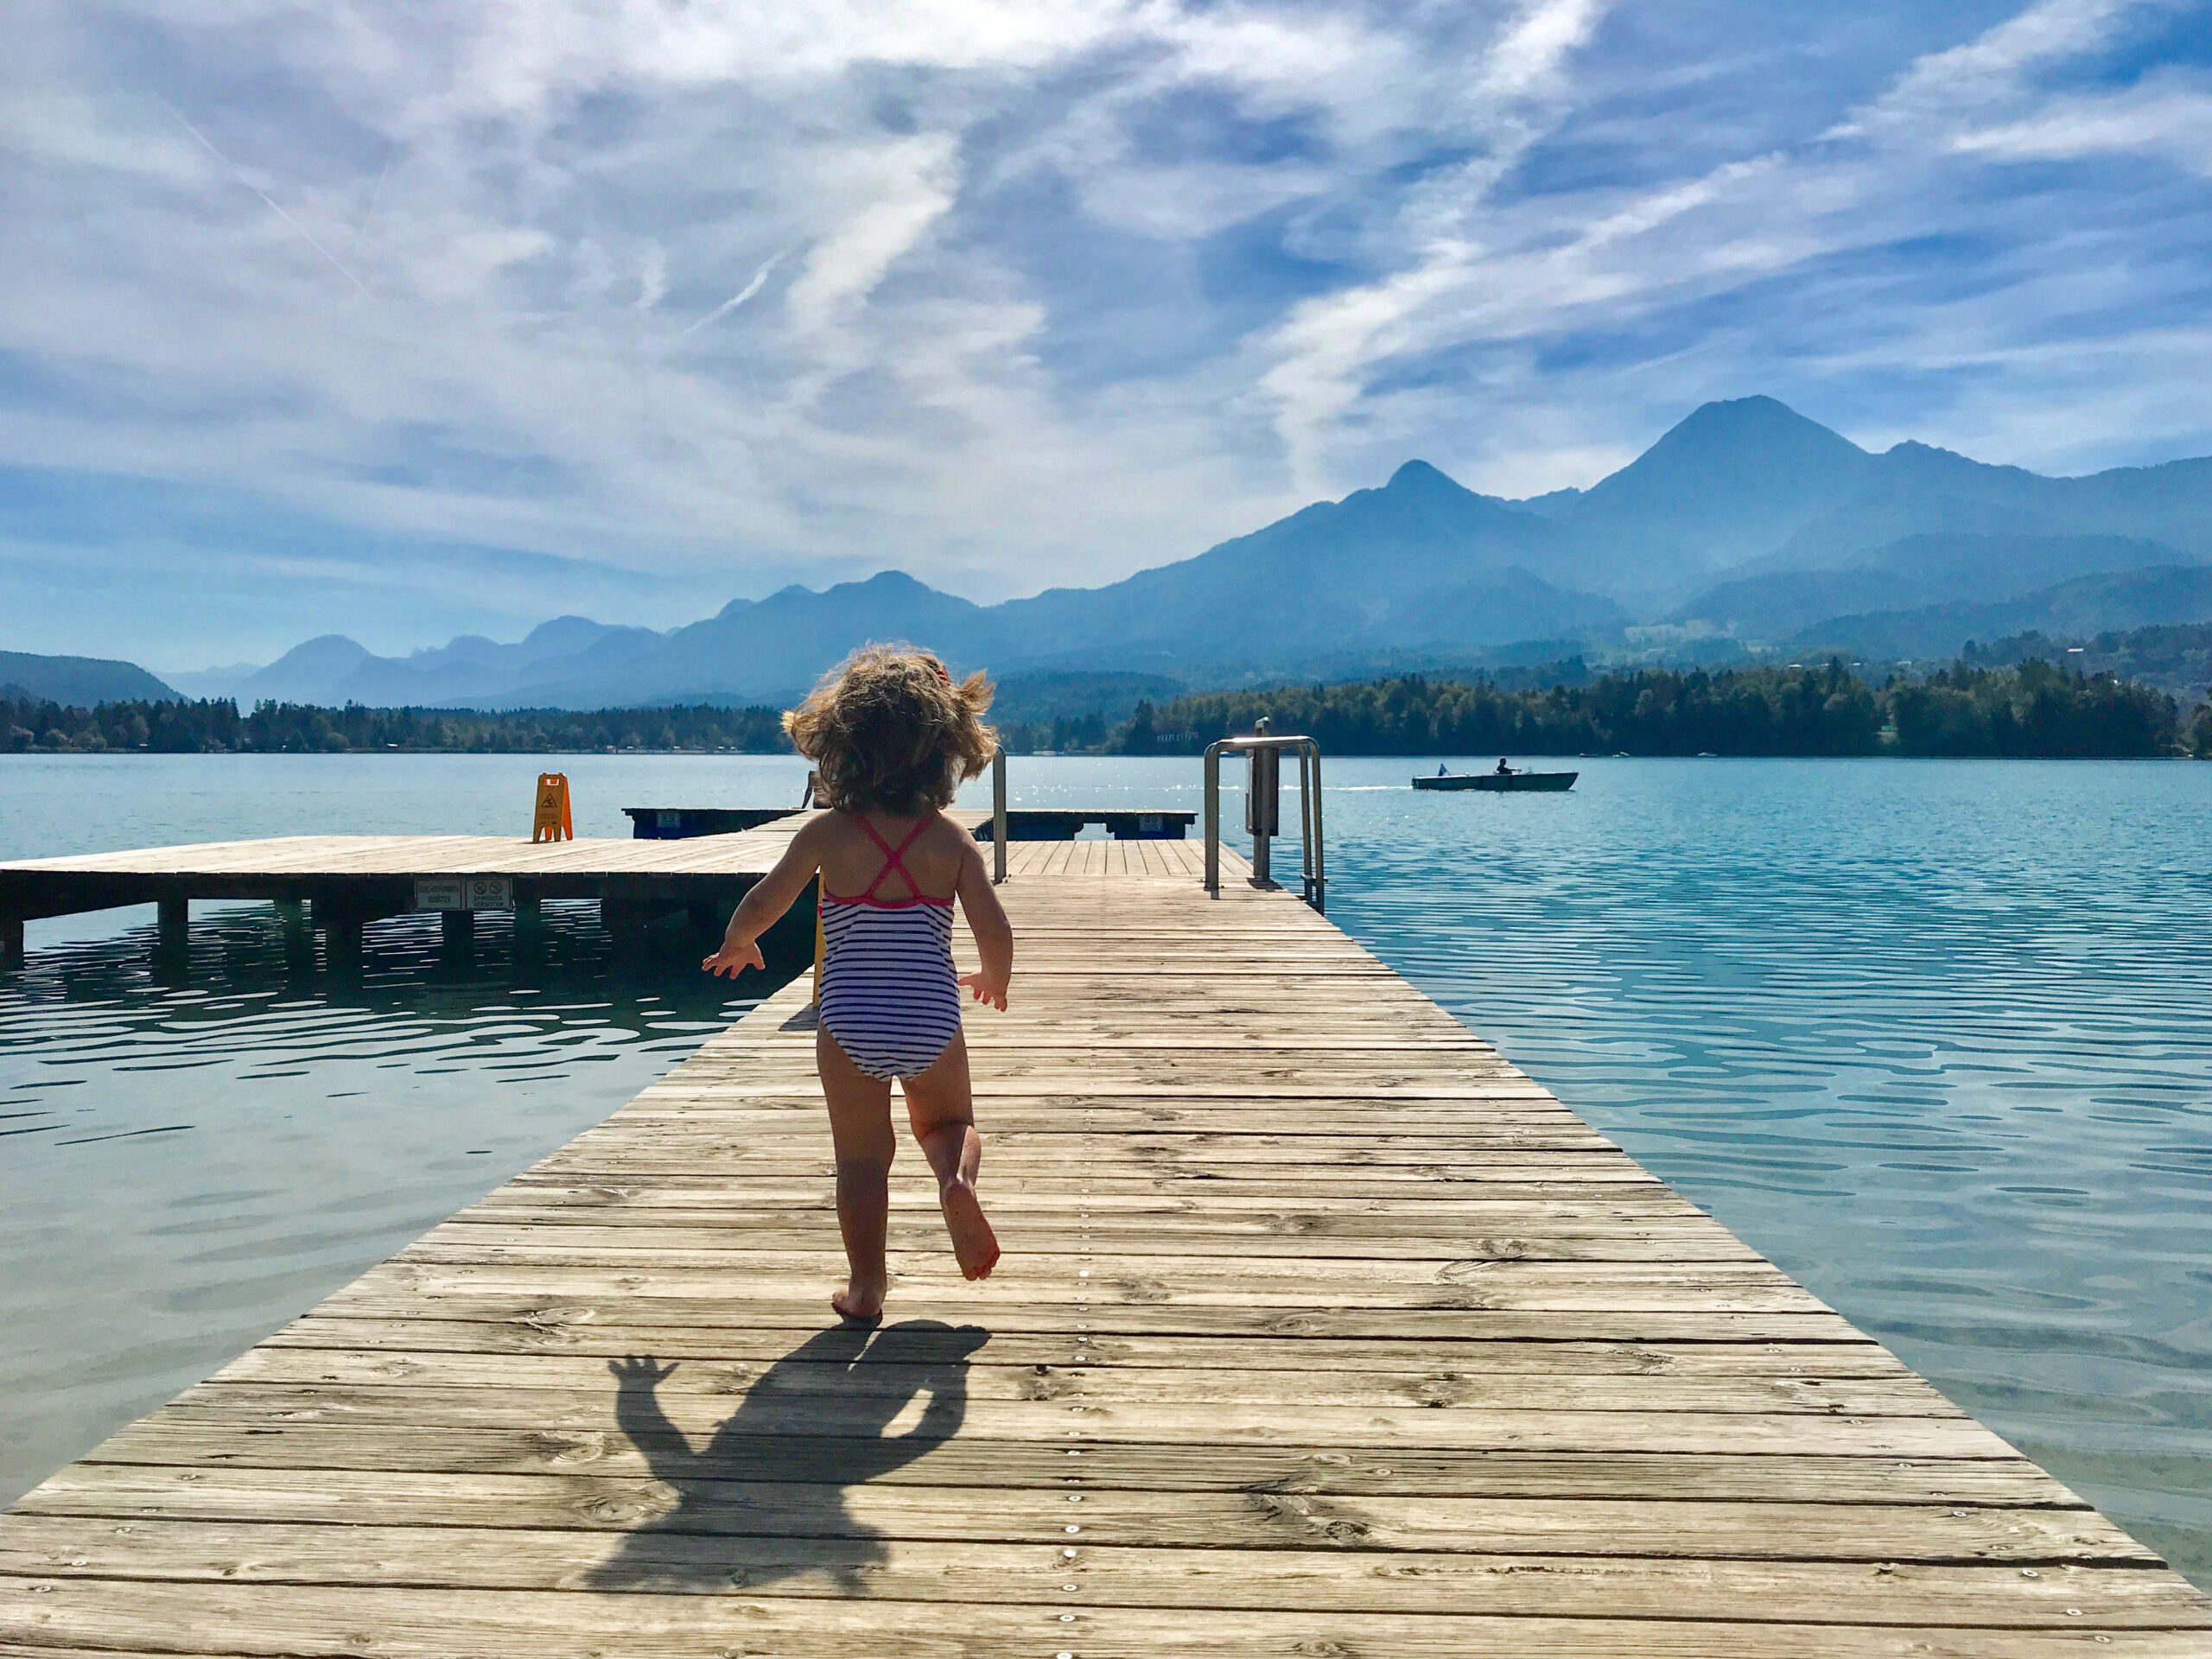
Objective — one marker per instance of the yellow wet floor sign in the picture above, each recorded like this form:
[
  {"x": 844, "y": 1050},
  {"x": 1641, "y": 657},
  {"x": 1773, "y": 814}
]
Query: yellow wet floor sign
[{"x": 552, "y": 822}]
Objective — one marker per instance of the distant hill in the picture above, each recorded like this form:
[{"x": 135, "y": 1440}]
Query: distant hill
[
  {"x": 2086, "y": 605},
  {"x": 80, "y": 682},
  {"x": 1913, "y": 573},
  {"x": 332, "y": 670},
  {"x": 218, "y": 682},
  {"x": 310, "y": 672},
  {"x": 2176, "y": 658},
  {"x": 1745, "y": 526},
  {"x": 1042, "y": 698}
]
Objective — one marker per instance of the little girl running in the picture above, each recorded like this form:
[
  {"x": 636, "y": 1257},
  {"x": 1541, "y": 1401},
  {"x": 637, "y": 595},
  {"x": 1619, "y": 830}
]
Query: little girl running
[{"x": 891, "y": 737}]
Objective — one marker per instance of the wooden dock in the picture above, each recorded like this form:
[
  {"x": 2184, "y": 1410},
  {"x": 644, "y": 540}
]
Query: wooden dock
[
  {"x": 1321, "y": 1330},
  {"x": 336, "y": 885}
]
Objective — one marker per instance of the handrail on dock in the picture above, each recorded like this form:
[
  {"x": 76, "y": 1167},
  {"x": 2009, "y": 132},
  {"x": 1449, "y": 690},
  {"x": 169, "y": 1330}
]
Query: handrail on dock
[
  {"x": 1263, "y": 747},
  {"x": 998, "y": 816}
]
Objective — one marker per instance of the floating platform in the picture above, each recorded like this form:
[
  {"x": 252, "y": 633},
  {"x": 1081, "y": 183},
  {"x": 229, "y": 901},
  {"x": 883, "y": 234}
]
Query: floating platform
[
  {"x": 1321, "y": 1329},
  {"x": 1064, "y": 824},
  {"x": 1023, "y": 823},
  {"x": 683, "y": 823}
]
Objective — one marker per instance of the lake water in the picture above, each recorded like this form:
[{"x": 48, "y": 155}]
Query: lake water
[{"x": 1931, "y": 1035}]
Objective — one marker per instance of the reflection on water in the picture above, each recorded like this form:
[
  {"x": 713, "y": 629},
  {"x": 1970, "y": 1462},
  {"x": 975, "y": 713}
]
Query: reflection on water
[{"x": 184, "y": 1165}]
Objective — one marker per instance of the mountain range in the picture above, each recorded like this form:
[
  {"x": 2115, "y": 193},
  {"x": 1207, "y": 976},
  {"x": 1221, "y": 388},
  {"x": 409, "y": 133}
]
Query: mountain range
[{"x": 1747, "y": 528}]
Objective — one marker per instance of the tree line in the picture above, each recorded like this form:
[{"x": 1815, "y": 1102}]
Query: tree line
[
  {"x": 216, "y": 727},
  {"x": 2032, "y": 710}
]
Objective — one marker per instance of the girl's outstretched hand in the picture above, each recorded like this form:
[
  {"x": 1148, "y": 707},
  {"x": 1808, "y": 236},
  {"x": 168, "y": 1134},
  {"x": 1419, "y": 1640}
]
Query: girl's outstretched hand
[
  {"x": 734, "y": 959},
  {"x": 986, "y": 988}
]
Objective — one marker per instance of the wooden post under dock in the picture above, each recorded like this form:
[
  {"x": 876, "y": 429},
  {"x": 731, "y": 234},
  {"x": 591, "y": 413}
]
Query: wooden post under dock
[{"x": 1321, "y": 1329}]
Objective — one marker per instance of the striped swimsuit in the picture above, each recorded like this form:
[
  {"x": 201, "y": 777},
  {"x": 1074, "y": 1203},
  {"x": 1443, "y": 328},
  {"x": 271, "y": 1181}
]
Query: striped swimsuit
[{"x": 888, "y": 992}]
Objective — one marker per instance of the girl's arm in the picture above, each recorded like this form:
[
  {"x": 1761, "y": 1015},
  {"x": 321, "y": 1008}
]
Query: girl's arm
[
  {"x": 766, "y": 901},
  {"x": 987, "y": 920}
]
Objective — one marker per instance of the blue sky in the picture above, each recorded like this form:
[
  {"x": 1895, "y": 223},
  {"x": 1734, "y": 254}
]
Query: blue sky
[{"x": 401, "y": 321}]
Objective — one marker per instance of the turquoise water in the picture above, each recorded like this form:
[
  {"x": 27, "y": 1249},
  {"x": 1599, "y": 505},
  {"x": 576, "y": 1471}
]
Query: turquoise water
[{"x": 1929, "y": 1033}]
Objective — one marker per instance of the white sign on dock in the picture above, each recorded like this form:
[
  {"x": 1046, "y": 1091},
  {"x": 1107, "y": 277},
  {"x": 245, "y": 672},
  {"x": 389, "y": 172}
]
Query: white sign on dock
[{"x": 464, "y": 893}]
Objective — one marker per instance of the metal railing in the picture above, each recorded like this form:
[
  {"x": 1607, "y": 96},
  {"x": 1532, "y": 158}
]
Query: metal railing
[
  {"x": 1263, "y": 751},
  {"x": 998, "y": 816}
]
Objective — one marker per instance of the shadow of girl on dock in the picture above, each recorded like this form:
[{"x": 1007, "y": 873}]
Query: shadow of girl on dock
[{"x": 765, "y": 1499}]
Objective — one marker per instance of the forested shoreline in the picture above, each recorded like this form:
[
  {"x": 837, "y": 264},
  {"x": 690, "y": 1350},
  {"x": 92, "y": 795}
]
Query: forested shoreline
[
  {"x": 2031, "y": 710},
  {"x": 2028, "y": 710},
  {"x": 214, "y": 726}
]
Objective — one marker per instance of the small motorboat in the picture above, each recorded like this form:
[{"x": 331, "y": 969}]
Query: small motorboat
[{"x": 1505, "y": 778}]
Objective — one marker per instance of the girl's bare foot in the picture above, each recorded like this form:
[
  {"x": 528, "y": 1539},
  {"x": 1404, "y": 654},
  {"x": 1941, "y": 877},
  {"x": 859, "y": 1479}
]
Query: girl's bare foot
[
  {"x": 974, "y": 1244},
  {"x": 859, "y": 1301}
]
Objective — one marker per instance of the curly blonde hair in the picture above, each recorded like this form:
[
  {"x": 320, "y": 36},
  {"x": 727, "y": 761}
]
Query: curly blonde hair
[{"x": 887, "y": 729}]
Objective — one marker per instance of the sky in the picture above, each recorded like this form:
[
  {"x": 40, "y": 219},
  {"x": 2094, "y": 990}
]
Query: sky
[{"x": 405, "y": 319}]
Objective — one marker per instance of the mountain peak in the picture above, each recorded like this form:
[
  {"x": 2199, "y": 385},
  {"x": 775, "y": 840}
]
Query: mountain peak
[
  {"x": 1419, "y": 475},
  {"x": 1727, "y": 482},
  {"x": 1759, "y": 421},
  {"x": 1747, "y": 447},
  {"x": 326, "y": 648}
]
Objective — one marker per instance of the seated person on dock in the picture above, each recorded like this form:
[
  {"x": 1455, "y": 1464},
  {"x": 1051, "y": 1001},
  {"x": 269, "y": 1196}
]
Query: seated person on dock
[{"x": 891, "y": 737}]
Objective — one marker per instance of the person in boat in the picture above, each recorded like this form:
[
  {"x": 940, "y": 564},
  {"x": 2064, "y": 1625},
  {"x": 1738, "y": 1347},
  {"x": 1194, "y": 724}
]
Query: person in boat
[
  {"x": 1441, "y": 769},
  {"x": 1504, "y": 770}
]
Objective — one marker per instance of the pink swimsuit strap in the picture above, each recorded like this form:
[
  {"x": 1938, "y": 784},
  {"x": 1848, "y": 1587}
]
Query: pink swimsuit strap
[{"x": 894, "y": 858}]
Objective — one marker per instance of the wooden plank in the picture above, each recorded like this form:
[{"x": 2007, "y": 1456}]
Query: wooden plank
[
  {"x": 893, "y": 1568},
  {"x": 858, "y": 1506},
  {"x": 232, "y": 1619},
  {"x": 1086, "y": 1418},
  {"x": 398, "y": 1293},
  {"x": 180, "y": 1440},
  {"x": 925, "y": 1342},
  {"x": 1071, "y": 1375}
]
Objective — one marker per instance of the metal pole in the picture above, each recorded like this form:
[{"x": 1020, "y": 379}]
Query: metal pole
[
  {"x": 998, "y": 816},
  {"x": 1213, "y": 819},
  {"x": 1320, "y": 899},
  {"x": 1306, "y": 815},
  {"x": 1262, "y": 798},
  {"x": 1263, "y": 790}
]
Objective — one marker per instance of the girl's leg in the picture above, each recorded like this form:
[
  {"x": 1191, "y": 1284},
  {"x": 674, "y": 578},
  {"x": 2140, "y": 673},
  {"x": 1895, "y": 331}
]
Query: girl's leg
[
  {"x": 860, "y": 1130},
  {"x": 942, "y": 1111}
]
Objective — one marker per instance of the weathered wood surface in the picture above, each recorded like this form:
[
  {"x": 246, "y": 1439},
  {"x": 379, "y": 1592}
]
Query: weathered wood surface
[
  {"x": 1321, "y": 1330},
  {"x": 372, "y": 876},
  {"x": 750, "y": 852}
]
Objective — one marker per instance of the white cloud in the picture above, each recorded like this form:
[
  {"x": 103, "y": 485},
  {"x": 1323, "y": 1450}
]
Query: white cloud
[
  {"x": 2169, "y": 121},
  {"x": 1016, "y": 293}
]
